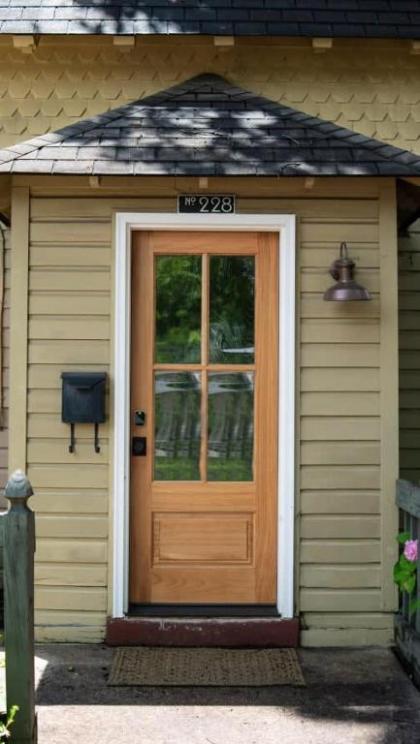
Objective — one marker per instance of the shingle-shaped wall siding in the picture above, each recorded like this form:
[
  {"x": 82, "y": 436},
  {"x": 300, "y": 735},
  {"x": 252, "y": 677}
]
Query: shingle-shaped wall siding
[{"x": 371, "y": 87}]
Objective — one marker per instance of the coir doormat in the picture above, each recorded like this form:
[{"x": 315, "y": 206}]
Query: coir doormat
[{"x": 205, "y": 667}]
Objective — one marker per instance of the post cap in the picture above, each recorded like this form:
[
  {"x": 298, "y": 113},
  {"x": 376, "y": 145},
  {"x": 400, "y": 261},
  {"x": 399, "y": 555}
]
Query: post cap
[{"x": 18, "y": 486}]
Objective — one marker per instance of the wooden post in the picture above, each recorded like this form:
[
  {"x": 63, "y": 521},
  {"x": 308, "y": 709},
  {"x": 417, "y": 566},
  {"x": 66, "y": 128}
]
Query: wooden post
[{"x": 19, "y": 549}]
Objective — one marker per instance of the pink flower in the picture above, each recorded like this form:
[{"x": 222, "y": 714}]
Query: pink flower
[{"x": 411, "y": 550}]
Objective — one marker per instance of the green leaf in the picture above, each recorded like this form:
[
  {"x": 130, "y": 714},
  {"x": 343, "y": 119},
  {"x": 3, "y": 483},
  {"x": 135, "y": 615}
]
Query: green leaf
[
  {"x": 403, "y": 537},
  {"x": 409, "y": 584}
]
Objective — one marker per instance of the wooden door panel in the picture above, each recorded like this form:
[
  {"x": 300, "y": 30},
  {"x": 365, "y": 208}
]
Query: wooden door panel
[{"x": 203, "y": 540}]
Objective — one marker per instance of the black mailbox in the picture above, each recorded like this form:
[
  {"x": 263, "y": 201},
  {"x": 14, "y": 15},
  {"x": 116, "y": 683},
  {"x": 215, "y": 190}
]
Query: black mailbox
[{"x": 83, "y": 401}]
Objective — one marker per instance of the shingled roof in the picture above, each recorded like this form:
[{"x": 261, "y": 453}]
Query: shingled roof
[
  {"x": 206, "y": 126},
  {"x": 396, "y": 19}
]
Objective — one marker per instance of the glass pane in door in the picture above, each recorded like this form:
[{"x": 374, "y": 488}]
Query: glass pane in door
[
  {"x": 232, "y": 287},
  {"x": 177, "y": 426},
  {"x": 230, "y": 426},
  {"x": 178, "y": 309}
]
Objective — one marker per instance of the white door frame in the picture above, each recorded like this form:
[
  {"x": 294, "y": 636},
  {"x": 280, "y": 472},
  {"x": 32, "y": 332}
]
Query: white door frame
[{"x": 125, "y": 223}]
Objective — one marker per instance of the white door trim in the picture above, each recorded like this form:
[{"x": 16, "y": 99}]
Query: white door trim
[{"x": 125, "y": 223}]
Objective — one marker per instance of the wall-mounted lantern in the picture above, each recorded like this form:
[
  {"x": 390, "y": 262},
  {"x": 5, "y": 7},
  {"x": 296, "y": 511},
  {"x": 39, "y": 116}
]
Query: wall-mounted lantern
[{"x": 346, "y": 288}]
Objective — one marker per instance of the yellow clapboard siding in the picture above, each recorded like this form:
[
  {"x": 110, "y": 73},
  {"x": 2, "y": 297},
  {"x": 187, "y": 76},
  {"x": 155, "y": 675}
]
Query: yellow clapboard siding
[
  {"x": 69, "y": 280},
  {"x": 52, "y": 574},
  {"x": 367, "y": 620},
  {"x": 48, "y": 425},
  {"x": 339, "y": 380},
  {"x": 70, "y": 328},
  {"x": 351, "y": 600},
  {"x": 342, "y": 526},
  {"x": 340, "y": 477},
  {"x": 341, "y": 331},
  {"x": 339, "y": 502},
  {"x": 67, "y": 476},
  {"x": 71, "y": 502},
  {"x": 340, "y": 577},
  {"x": 340, "y": 355},
  {"x": 361, "y": 232},
  {"x": 59, "y": 352},
  {"x": 73, "y": 232},
  {"x": 72, "y": 255},
  {"x": 71, "y": 303},
  {"x": 70, "y": 634},
  {"x": 340, "y": 551},
  {"x": 57, "y": 451},
  {"x": 67, "y": 525},
  {"x": 89, "y": 208},
  {"x": 346, "y": 428},
  {"x": 71, "y": 551},
  {"x": 313, "y": 306},
  {"x": 313, "y": 255},
  {"x": 48, "y": 377},
  {"x": 339, "y": 404},
  {"x": 67, "y": 618},
  {"x": 69, "y": 598},
  {"x": 339, "y": 637},
  {"x": 340, "y": 453}
]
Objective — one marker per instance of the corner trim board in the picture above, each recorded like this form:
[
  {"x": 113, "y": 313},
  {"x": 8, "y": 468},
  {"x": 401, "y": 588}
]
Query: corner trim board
[{"x": 285, "y": 226}]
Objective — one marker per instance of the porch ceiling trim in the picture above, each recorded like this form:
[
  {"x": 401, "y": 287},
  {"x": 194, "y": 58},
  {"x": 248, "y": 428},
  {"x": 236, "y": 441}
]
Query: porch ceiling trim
[{"x": 207, "y": 126}]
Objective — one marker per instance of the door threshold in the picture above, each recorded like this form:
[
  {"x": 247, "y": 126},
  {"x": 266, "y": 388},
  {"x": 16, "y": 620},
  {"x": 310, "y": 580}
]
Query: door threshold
[
  {"x": 207, "y": 632},
  {"x": 204, "y": 611}
]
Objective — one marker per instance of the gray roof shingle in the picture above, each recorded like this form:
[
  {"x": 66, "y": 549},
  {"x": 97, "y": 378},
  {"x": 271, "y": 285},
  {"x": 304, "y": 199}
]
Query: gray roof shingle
[
  {"x": 206, "y": 126},
  {"x": 332, "y": 18}
]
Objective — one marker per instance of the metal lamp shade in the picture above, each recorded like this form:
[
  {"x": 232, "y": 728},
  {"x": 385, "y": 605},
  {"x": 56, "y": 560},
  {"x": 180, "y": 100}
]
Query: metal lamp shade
[{"x": 346, "y": 288}]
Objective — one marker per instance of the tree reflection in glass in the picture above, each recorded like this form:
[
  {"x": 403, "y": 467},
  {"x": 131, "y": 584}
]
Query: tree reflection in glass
[
  {"x": 178, "y": 309},
  {"x": 177, "y": 426},
  {"x": 230, "y": 426},
  {"x": 232, "y": 285}
]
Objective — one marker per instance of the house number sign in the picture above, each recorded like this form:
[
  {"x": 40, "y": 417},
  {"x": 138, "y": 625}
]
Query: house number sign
[{"x": 206, "y": 204}]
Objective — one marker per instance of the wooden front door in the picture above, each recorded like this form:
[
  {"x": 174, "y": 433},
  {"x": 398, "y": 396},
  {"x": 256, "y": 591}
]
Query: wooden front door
[{"x": 204, "y": 389}]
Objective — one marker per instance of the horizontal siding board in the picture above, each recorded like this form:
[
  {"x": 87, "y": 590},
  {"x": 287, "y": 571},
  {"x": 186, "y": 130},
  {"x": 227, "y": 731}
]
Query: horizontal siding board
[
  {"x": 51, "y": 574},
  {"x": 67, "y": 476},
  {"x": 71, "y": 551},
  {"x": 343, "y": 637},
  {"x": 339, "y": 331},
  {"x": 340, "y": 453},
  {"x": 90, "y": 281},
  {"x": 346, "y": 428},
  {"x": 42, "y": 451},
  {"x": 71, "y": 232},
  {"x": 49, "y": 425},
  {"x": 73, "y": 329},
  {"x": 340, "y": 477},
  {"x": 340, "y": 551},
  {"x": 340, "y": 577},
  {"x": 71, "y": 502},
  {"x": 315, "y": 379},
  {"x": 340, "y": 355},
  {"x": 70, "y": 598},
  {"x": 340, "y": 502},
  {"x": 339, "y": 600},
  {"x": 333, "y": 527},
  {"x": 86, "y": 526},
  {"x": 339, "y": 404},
  {"x": 71, "y": 302},
  {"x": 313, "y": 255},
  {"x": 367, "y": 620},
  {"x": 70, "y": 256},
  {"x": 59, "y": 352}
]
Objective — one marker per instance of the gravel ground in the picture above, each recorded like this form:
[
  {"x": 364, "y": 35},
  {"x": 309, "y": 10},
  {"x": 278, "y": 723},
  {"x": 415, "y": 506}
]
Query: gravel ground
[{"x": 352, "y": 696}]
